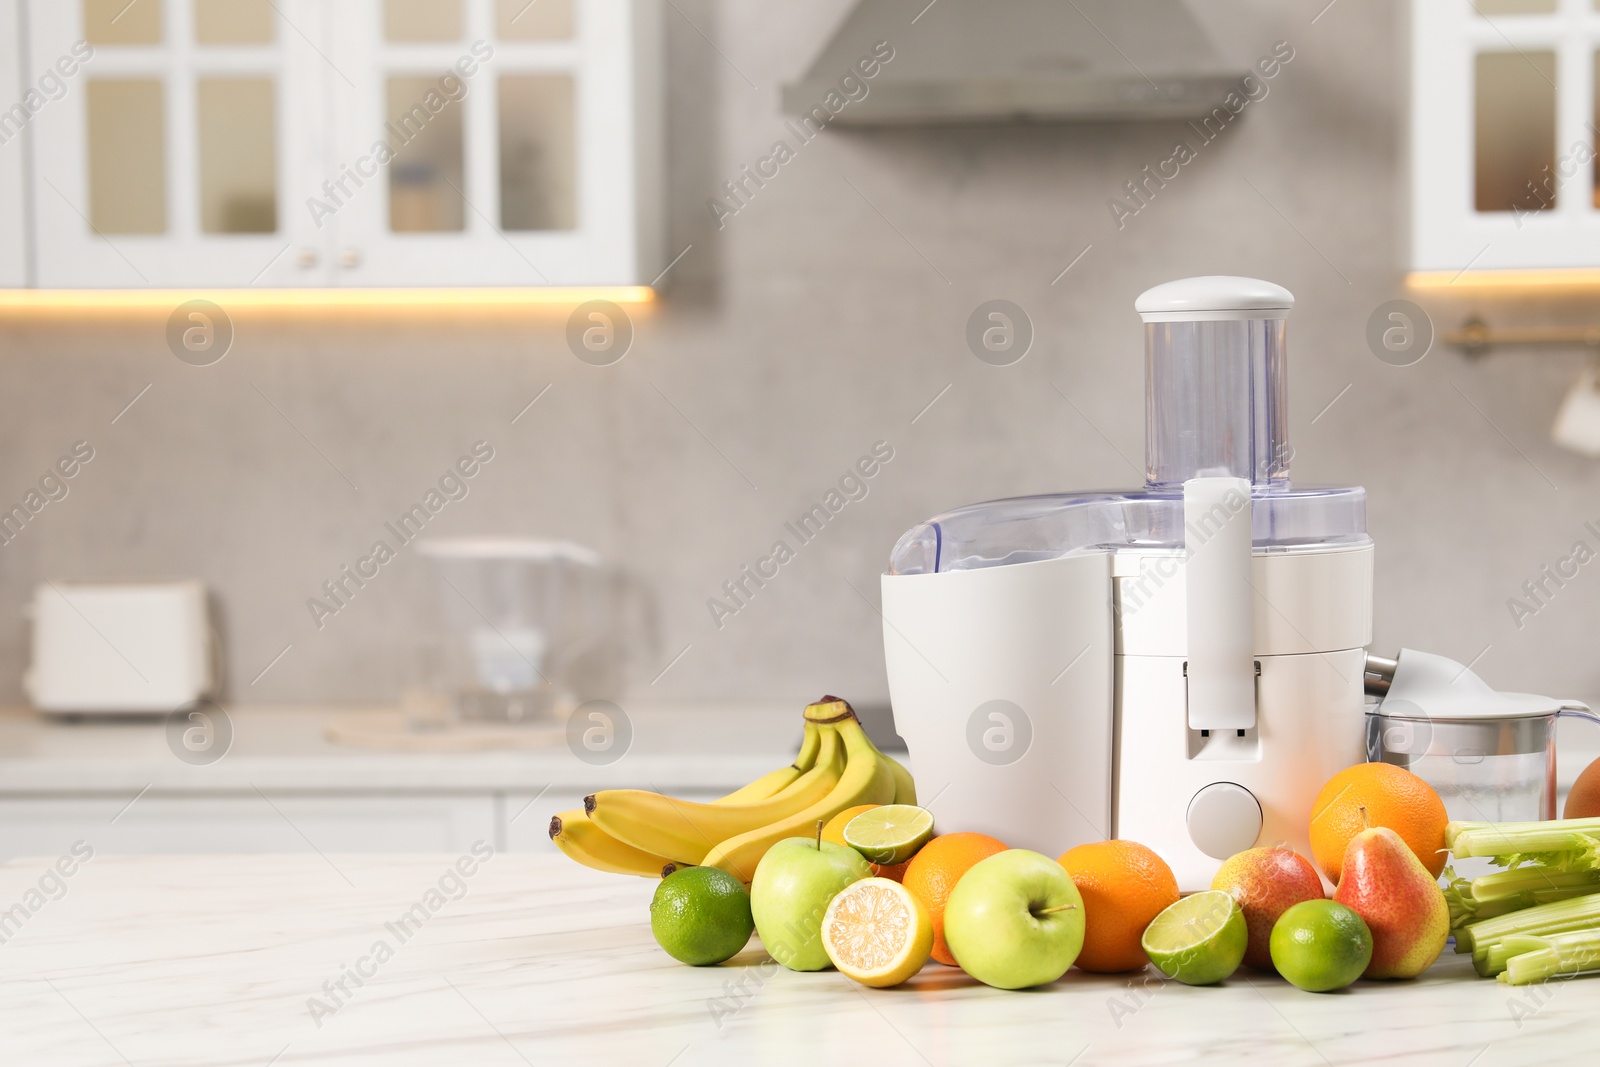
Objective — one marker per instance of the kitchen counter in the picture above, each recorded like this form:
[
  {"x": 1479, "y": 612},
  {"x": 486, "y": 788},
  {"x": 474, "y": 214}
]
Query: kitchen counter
[
  {"x": 286, "y": 749},
  {"x": 282, "y": 786},
  {"x": 215, "y": 960}
]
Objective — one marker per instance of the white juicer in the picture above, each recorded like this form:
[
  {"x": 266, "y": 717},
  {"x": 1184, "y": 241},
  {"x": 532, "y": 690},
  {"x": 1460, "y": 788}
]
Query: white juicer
[{"x": 1180, "y": 665}]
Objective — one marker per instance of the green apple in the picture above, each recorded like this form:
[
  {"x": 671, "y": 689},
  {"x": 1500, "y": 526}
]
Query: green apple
[
  {"x": 793, "y": 885},
  {"x": 1014, "y": 920}
]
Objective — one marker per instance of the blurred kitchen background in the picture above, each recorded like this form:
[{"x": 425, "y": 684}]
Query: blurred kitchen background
[{"x": 825, "y": 315}]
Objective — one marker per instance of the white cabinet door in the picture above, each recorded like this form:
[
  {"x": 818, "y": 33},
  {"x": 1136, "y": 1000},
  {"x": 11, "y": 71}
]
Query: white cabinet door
[
  {"x": 293, "y": 143},
  {"x": 284, "y": 823},
  {"x": 167, "y": 162},
  {"x": 1503, "y": 136},
  {"x": 495, "y": 142},
  {"x": 15, "y": 115}
]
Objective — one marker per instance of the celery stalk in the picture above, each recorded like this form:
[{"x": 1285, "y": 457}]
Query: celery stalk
[
  {"x": 1476, "y": 912},
  {"x": 1538, "y": 959},
  {"x": 1458, "y": 898},
  {"x": 1465, "y": 910},
  {"x": 1532, "y": 955},
  {"x": 1537, "y": 919},
  {"x": 1484, "y": 938},
  {"x": 1523, "y": 882},
  {"x": 1491, "y": 960},
  {"x": 1581, "y": 837},
  {"x": 1550, "y": 896}
]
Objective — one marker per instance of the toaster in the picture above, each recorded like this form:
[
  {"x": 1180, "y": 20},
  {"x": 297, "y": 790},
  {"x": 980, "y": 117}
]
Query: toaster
[{"x": 119, "y": 648}]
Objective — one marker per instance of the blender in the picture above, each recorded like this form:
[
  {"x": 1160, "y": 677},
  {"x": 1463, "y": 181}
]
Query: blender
[
  {"x": 532, "y": 629},
  {"x": 1181, "y": 664}
]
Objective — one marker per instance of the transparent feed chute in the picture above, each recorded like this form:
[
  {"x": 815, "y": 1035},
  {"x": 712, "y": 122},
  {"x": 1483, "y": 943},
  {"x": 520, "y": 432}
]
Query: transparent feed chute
[{"x": 1216, "y": 404}]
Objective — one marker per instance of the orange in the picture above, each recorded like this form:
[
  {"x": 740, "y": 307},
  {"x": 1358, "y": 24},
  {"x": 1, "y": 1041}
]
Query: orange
[
  {"x": 895, "y": 873},
  {"x": 834, "y": 831},
  {"x": 935, "y": 870},
  {"x": 1392, "y": 797},
  {"x": 1584, "y": 800},
  {"x": 1124, "y": 885}
]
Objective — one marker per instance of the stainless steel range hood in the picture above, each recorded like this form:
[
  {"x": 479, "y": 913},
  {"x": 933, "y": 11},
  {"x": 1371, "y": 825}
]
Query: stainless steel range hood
[{"x": 1010, "y": 60}]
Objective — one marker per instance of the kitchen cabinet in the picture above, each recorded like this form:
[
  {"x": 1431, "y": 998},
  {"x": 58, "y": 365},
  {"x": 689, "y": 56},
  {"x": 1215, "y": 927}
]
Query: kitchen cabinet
[
  {"x": 170, "y": 158},
  {"x": 13, "y": 248},
  {"x": 357, "y": 143},
  {"x": 1503, "y": 135}
]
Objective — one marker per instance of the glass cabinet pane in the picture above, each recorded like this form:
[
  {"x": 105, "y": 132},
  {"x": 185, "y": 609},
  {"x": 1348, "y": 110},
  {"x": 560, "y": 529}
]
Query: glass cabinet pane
[
  {"x": 422, "y": 20},
  {"x": 1489, "y": 8},
  {"x": 1515, "y": 131},
  {"x": 538, "y": 153},
  {"x": 427, "y": 172},
  {"x": 537, "y": 20},
  {"x": 238, "y": 155},
  {"x": 233, "y": 21},
  {"x": 116, "y": 22},
  {"x": 127, "y": 145}
]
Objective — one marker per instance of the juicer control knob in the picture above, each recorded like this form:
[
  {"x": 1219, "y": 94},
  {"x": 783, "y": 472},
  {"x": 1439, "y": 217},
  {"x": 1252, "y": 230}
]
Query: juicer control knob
[{"x": 1224, "y": 819}]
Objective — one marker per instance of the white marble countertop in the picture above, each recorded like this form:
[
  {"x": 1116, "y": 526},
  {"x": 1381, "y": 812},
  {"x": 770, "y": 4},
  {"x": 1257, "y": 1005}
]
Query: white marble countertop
[
  {"x": 213, "y": 961},
  {"x": 286, "y": 749}
]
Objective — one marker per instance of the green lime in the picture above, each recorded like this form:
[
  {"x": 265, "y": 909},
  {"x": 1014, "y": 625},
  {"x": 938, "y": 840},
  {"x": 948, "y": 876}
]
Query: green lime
[
  {"x": 701, "y": 915},
  {"x": 1200, "y": 940},
  {"x": 889, "y": 833},
  {"x": 1321, "y": 945}
]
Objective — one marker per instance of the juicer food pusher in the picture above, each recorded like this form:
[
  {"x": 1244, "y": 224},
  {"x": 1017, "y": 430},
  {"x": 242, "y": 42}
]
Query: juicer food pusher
[{"x": 1180, "y": 665}]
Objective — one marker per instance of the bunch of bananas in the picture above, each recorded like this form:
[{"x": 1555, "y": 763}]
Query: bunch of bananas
[{"x": 633, "y": 831}]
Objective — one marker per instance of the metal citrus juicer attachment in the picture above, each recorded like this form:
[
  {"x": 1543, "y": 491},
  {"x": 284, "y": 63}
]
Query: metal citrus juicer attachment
[
  {"x": 1491, "y": 756},
  {"x": 1180, "y": 665}
]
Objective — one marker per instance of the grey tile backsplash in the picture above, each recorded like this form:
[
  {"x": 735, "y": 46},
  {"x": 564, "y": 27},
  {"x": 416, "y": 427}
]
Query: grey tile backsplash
[{"x": 823, "y": 320}]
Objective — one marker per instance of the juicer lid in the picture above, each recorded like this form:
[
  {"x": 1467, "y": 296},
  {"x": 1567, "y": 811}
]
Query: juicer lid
[
  {"x": 1426, "y": 686},
  {"x": 1213, "y": 297}
]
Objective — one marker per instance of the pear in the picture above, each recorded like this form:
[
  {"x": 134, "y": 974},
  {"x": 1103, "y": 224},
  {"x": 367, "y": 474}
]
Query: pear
[{"x": 1383, "y": 881}]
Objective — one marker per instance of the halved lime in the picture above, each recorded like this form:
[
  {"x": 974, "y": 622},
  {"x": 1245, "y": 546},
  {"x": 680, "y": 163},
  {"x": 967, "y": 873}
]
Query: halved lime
[
  {"x": 1199, "y": 940},
  {"x": 889, "y": 833}
]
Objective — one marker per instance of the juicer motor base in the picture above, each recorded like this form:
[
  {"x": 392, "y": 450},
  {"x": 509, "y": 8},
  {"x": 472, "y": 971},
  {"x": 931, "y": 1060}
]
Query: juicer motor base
[{"x": 1198, "y": 803}]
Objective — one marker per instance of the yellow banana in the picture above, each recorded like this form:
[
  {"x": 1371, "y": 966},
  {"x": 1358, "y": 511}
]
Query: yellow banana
[
  {"x": 905, "y": 788},
  {"x": 686, "y": 831},
  {"x": 810, "y": 745},
  {"x": 773, "y": 781},
  {"x": 868, "y": 779},
  {"x": 585, "y": 842},
  {"x": 591, "y": 846}
]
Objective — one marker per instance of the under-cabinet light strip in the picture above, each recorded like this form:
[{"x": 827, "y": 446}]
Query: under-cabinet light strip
[
  {"x": 330, "y": 299},
  {"x": 1564, "y": 278}
]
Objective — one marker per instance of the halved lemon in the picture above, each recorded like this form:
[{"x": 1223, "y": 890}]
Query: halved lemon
[{"x": 876, "y": 932}]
